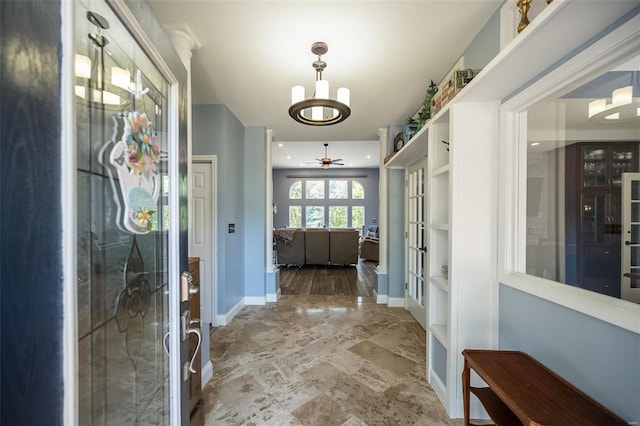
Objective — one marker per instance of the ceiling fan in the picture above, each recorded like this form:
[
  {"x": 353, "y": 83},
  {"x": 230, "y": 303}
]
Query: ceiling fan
[{"x": 325, "y": 162}]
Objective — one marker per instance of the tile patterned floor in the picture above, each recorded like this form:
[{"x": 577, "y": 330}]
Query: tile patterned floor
[{"x": 321, "y": 360}]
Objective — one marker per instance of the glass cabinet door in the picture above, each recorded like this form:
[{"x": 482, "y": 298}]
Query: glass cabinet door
[
  {"x": 621, "y": 162},
  {"x": 594, "y": 170},
  {"x": 594, "y": 218}
]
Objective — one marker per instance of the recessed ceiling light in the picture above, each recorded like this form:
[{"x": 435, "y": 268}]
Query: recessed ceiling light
[
  {"x": 368, "y": 156},
  {"x": 280, "y": 145},
  {"x": 351, "y": 164},
  {"x": 535, "y": 144},
  {"x": 288, "y": 157}
]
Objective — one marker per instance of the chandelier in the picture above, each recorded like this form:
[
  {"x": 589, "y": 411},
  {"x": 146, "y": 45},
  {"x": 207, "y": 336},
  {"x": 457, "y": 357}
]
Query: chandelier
[
  {"x": 622, "y": 107},
  {"x": 319, "y": 110}
]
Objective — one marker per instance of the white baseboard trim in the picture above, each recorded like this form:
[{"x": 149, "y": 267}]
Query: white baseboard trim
[
  {"x": 271, "y": 297},
  {"x": 381, "y": 299},
  {"x": 226, "y": 318},
  {"x": 395, "y": 302},
  {"x": 219, "y": 320},
  {"x": 206, "y": 373},
  {"x": 250, "y": 301}
]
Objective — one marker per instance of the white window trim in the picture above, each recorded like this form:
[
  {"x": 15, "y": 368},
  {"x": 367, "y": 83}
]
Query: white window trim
[{"x": 621, "y": 43}]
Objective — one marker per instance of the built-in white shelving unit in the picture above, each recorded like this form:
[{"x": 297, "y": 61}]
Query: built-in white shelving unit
[
  {"x": 461, "y": 215},
  {"x": 463, "y": 188}
]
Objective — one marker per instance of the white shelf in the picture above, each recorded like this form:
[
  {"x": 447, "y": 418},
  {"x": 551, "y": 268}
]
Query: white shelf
[
  {"x": 440, "y": 332},
  {"x": 440, "y": 226},
  {"x": 441, "y": 170},
  {"x": 441, "y": 282},
  {"x": 555, "y": 33},
  {"x": 413, "y": 150}
]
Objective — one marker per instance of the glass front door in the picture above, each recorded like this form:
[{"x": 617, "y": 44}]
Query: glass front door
[{"x": 124, "y": 239}]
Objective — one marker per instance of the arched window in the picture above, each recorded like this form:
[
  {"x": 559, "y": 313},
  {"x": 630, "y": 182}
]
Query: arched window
[{"x": 295, "y": 190}]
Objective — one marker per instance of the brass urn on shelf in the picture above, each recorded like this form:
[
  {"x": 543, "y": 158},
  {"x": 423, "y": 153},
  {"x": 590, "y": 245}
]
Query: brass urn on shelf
[{"x": 523, "y": 6}]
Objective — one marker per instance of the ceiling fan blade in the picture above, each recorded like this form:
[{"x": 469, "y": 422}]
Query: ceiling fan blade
[
  {"x": 337, "y": 159},
  {"x": 337, "y": 164}
]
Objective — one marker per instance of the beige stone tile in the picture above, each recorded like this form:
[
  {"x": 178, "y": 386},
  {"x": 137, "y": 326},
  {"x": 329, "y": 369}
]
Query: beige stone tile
[
  {"x": 293, "y": 361},
  {"x": 383, "y": 358},
  {"x": 320, "y": 411}
]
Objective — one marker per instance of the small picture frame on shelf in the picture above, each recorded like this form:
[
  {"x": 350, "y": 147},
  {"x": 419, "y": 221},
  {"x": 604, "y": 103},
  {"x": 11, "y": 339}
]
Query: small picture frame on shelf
[{"x": 410, "y": 130}]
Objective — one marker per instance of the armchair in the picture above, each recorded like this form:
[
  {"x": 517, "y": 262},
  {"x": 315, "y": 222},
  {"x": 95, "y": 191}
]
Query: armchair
[{"x": 369, "y": 244}]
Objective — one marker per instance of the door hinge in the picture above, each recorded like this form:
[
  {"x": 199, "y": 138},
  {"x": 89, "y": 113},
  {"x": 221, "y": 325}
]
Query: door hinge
[{"x": 406, "y": 286}]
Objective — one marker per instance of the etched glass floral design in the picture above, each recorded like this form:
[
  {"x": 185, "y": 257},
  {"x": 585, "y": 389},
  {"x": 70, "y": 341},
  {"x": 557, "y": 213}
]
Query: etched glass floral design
[{"x": 133, "y": 303}]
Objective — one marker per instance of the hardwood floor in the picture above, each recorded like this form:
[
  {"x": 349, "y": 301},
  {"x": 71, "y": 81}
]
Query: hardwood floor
[{"x": 328, "y": 280}]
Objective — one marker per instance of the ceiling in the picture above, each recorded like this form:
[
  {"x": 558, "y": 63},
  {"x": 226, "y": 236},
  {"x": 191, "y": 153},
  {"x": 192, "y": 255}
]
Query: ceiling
[{"x": 385, "y": 52}]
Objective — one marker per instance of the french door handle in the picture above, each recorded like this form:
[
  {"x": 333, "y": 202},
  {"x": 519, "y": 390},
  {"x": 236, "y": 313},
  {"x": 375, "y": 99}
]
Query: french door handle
[{"x": 628, "y": 243}]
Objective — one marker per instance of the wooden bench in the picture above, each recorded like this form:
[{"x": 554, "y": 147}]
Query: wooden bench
[{"x": 521, "y": 391}]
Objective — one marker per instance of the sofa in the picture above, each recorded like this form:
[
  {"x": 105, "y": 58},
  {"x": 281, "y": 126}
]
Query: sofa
[{"x": 316, "y": 246}]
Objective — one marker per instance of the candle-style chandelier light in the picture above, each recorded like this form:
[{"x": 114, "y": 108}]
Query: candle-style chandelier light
[{"x": 319, "y": 110}]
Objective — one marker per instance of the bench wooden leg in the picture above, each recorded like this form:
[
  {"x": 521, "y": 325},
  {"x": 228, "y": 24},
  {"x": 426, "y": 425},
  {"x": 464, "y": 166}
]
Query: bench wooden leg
[{"x": 466, "y": 385}]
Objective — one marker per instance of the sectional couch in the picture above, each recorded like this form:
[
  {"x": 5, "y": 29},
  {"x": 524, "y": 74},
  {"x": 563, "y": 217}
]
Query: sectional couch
[{"x": 317, "y": 246}]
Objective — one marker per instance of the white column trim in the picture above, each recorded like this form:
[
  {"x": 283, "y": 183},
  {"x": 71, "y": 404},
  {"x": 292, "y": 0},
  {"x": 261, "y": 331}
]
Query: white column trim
[
  {"x": 184, "y": 41},
  {"x": 383, "y": 229},
  {"x": 269, "y": 203}
]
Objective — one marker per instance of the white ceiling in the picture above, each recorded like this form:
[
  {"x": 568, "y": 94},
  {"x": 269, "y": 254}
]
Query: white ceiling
[{"x": 386, "y": 52}]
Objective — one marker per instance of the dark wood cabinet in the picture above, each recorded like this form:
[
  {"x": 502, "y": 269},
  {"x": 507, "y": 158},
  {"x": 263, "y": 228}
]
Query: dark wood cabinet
[
  {"x": 593, "y": 210},
  {"x": 195, "y": 379}
]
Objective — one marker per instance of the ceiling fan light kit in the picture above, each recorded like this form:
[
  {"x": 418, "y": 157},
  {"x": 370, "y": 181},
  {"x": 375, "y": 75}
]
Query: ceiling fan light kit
[
  {"x": 320, "y": 110},
  {"x": 326, "y": 162}
]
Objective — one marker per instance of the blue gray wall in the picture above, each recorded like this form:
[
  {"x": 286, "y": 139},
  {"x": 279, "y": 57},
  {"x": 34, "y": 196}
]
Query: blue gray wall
[
  {"x": 216, "y": 131},
  {"x": 281, "y": 184},
  {"x": 255, "y": 169},
  {"x": 395, "y": 221},
  {"x": 486, "y": 44},
  {"x": 600, "y": 359}
]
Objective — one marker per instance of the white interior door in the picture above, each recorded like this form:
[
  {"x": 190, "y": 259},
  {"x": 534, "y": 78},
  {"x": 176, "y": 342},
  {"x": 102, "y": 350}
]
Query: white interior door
[
  {"x": 630, "y": 285},
  {"x": 416, "y": 191},
  {"x": 202, "y": 230}
]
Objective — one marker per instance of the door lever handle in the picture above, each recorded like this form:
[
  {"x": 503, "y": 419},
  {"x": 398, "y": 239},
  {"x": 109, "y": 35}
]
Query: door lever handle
[
  {"x": 628, "y": 243},
  {"x": 188, "y": 366}
]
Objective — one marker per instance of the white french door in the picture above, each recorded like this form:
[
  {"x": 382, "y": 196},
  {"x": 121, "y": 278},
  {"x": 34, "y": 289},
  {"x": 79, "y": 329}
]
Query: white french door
[
  {"x": 630, "y": 241},
  {"x": 416, "y": 247}
]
